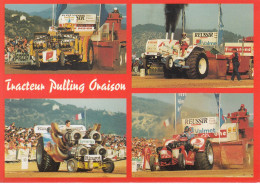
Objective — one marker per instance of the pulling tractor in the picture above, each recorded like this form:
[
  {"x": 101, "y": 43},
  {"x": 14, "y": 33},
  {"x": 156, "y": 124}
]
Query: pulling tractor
[
  {"x": 236, "y": 149},
  {"x": 181, "y": 153},
  {"x": 64, "y": 45},
  {"x": 193, "y": 63},
  {"x": 82, "y": 150}
]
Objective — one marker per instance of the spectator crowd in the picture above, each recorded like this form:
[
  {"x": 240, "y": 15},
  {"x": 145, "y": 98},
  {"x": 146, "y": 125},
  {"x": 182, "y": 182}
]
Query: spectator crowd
[
  {"x": 138, "y": 144},
  {"x": 16, "y": 45},
  {"x": 25, "y": 138}
]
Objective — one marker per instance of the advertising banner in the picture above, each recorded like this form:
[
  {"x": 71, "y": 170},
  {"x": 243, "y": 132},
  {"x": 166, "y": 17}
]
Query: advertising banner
[{"x": 205, "y": 38}]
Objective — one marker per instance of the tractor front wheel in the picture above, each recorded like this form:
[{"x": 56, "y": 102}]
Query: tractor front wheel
[
  {"x": 90, "y": 55},
  {"x": 152, "y": 163},
  {"x": 72, "y": 165},
  {"x": 37, "y": 60},
  {"x": 109, "y": 166}
]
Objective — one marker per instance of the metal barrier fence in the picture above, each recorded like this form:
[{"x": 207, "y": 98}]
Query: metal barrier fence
[
  {"x": 16, "y": 155},
  {"x": 17, "y": 57}
]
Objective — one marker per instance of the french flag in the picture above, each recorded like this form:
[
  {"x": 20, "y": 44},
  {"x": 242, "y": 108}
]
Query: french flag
[
  {"x": 79, "y": 116},
  {"x": 166, "y": 123}
]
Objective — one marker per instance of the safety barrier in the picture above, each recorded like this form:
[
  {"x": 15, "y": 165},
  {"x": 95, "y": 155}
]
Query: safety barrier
[
  {"x": 17, "y": 57},
  {"x": 137, "y": 164},
  {"x": 16, "y": 155},
  {"x": 116, "y": 154}
]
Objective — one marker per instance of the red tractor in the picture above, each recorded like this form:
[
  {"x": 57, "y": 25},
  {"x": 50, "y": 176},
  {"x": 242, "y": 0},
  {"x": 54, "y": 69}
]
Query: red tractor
[{"x": 182, "y": 153}]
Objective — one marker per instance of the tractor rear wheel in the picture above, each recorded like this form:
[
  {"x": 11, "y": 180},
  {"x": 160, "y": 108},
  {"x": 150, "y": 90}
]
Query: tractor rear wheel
[
  {"x": 152, "y": 163},
  {"x": 251, "y": 70},
  {"x": 62, "y": 59},
  {"x": 37, "y": 60},
  {"x": 205, "y": 160},
  {"x": 167, "y": 73},
  {"x": 109, "y": 166},
  {"x": 90, "y": 55},
  {"x": 122, "y": 56},
  {"x": 44, "y": 162},
  {"x": 198, "y": 63}
]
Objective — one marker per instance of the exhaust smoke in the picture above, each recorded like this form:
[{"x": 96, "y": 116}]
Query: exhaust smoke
[{"x": 172, "y": 13}]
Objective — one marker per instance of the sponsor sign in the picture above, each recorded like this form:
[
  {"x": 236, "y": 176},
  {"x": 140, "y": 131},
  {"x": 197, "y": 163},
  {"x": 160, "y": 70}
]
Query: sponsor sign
[
  {"x": 77, "y": 18},
  {"x": 94, "y": 158},
  {"x": 42, "y": 129},
  {"x": 203, "y": 125},
  {"x": 223, "y": 134},
  {"x": 49, "y": 56},
  {"x": 87, "y": 141},
  {"x": 205, "y": 38},
  {"x": 246, "y": 48}
]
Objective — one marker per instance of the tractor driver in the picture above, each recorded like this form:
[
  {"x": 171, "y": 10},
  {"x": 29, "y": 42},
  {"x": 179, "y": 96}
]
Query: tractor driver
[
  {"x": 184, "y": 43},
  {"x": 187, "y": 132}
]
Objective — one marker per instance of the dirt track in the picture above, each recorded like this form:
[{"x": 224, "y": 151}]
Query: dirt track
[
  {"x": 158, "y": 81},
  {"x": 13, "y": 170},
  {"x": 52, "y": 69},
  {"x": 196, "y": 173}
]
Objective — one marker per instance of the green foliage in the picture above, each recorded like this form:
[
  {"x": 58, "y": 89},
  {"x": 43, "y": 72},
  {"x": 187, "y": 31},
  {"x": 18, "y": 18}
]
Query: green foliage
[
  {"x": 14, "y": 27},
  {"x": 142, "y": 33},
  {"x": 27, "y": 112}
]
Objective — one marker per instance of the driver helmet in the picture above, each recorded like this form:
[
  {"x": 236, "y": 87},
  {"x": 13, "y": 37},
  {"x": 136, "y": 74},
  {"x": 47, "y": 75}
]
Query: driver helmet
[
  {"x": 186, "y": 129},
  {"x": 184, "y": 34}
]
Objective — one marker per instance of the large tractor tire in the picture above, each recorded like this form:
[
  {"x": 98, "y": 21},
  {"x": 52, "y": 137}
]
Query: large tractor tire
[
  {"x": 251, "y": 70},
  {"x": 205, "y": 160},
  {"x": 181, "y": 161},
  {"x": 122, "y": 57},
  {"x": 109, "y": 166},
  {"x": 90, "y": 55},
  {"x": 249, "y": 159},
  {"x": 44, "y": 162},
  {"x": 72, "y": 165},
  {"x": 167, "y": 73},
  {"x": 37, "y": 60},
  {"x": 62, "y": 59},
  {"x": 198, "y": 63},
  {"x": 169, "y": 63},
  {"x": 152, "y": 163}
]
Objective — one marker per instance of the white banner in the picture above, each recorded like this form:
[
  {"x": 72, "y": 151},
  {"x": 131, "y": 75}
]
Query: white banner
[
  {"x": 23, "y": 153},
  {"x": 42, "y": 129},
  {"x": 205, "y": 38},
  {"x": 78, "y": 18},
  {"x": 10, "y": 156},
  {"x": 32, "y": 154},
  {"x": 24, "y": 162}
]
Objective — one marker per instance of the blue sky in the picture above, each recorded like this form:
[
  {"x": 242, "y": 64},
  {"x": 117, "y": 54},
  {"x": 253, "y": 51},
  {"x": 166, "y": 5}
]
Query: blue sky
[
  {"x": 112, "y": 105},
  {"x": 28, "y": 8},
  {"x": 201, "y": 16},
  {"x": 230, "y": 102}
]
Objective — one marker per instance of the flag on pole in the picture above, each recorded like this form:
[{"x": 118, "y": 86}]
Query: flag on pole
[
  {"x": 167, "y": 122},
  {"x": 220, "y": 26},
  {"x": 180, "y": 97},
  {"x": 79, "y": 116},
  {"x": 60, "y": 8},
  {"x": 220, "y": 111},
  {"x": 103, "y": 14}
]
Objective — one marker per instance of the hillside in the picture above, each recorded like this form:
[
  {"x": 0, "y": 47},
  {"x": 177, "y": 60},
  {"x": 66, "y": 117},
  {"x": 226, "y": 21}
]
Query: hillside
[
  {"x": 25, "y": 28},
  {"x": 148, "y": 116},
  {"x": 27, "y": 112},
  {"x": 81, "y": 9},
  {"x": 142, "y": 33},
  {"x": 40, "y": 21}
]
